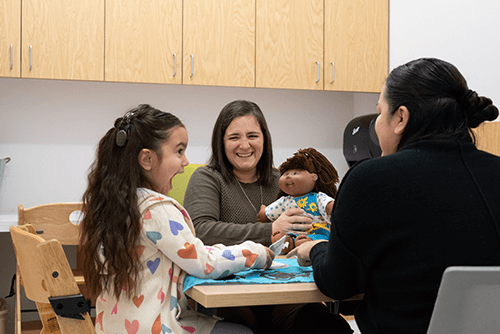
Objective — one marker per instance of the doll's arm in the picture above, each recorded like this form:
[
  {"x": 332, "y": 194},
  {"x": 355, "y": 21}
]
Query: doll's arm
[
  {"x": 329, "y": 208},
  {"x": 261, "y": 216}
]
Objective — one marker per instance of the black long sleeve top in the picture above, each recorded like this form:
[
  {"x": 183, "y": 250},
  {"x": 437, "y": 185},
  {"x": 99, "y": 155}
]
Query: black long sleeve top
[{"x": 399, "y": 221}]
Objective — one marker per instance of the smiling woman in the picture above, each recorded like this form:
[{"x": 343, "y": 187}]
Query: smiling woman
[
  {"x": 243, "y": 143},
  {"x": 223, "y": 199}
]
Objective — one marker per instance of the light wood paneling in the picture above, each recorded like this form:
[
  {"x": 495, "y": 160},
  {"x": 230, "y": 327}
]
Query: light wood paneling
[
  {"x": 144, "y": 41},
  {"x": 356, "y": 41},
  {"x": 67, "y": 37},
  {"x": 219, "y": 38},
  {"x": 289, "y": 44},
  {"x": 10, "y": 35},
  {"x": 488, "y": 137}
]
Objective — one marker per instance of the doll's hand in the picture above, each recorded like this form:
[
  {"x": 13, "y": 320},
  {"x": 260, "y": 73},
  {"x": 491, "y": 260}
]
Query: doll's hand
[
  {"x": 269, "y": 259},
  {"x": 261, "y": 216}
]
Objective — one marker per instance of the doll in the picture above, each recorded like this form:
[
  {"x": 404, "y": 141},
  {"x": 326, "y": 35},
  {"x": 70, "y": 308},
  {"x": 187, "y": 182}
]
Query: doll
[{"x": 308, "y": 181}]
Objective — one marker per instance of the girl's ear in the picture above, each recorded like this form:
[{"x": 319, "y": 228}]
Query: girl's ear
[
  {"x": 314, "y": 176},
  {"x": 404, "y": 116},
  {"x": 146, "y": 159}
]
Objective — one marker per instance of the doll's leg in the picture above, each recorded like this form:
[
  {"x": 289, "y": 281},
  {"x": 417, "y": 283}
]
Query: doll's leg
[{"x": 301, "y": 239}]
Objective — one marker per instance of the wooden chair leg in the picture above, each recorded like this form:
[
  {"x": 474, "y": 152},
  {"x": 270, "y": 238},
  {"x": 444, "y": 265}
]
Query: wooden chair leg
[{"x": 17, "y": 306}]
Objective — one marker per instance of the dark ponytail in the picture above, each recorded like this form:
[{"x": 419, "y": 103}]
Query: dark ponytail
[{"x": 440, "y": 104}]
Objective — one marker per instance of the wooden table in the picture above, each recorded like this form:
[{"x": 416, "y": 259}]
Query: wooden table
[{"x": 233, "y": 295}]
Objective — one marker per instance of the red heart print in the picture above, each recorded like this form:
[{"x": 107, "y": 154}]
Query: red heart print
[
  {"x": 251, "y": 257},
  {"x": 188, "y": 252}
]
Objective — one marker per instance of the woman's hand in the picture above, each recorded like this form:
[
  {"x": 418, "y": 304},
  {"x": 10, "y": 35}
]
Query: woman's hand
[
  {"x": 270, "y": 258},
  {"x": 302, "y": 252},
  {"x": 292, "y": 221}
]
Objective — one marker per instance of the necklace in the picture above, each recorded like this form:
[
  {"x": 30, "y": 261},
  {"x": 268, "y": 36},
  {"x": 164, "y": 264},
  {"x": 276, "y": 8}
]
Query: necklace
[{"x": 249, "y": 201}]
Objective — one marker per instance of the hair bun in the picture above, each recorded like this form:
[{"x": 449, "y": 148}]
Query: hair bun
[{"x": 477, "y": 108}]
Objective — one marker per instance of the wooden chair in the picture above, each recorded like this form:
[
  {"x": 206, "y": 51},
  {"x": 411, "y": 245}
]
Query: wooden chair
[
  {"x": 51, "y": 221},
  {"x": 48, "y": 281}
]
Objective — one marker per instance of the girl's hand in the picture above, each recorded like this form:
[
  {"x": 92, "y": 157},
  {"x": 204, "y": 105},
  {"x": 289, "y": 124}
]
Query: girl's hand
[
  {"x": 292, "y": 221},
  {"x": 302, "y": 252},
  {"x": 270, "y": 258}
]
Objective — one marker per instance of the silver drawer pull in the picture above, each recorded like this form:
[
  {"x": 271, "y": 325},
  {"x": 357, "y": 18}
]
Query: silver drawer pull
[
  {"x": 333, "y": 72},
  {"x": 192, "y": 66},
  {"x": 317, "y": 63},
  {"x": 175, "y": 64}
]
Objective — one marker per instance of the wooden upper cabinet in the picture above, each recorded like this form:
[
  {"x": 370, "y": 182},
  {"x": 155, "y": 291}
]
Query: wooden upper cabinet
[
  {"x": 10, "y": 38},
  {"x": 356, "y": 45},
  {"x": 488, "y": 137},
  {"x": 219, "y": 43},
  {"x": 144, "y": 41},
  {"x": 289, "y": 44},
  {"x": 63, "y": 39}
]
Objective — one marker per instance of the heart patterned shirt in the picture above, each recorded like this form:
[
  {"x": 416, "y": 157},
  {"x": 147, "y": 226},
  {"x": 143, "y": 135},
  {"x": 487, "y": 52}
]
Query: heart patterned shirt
[{"x": 168, "y": 250}]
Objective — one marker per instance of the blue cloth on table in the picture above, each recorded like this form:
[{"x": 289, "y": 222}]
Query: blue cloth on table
[{"x": 291, "y": 274}]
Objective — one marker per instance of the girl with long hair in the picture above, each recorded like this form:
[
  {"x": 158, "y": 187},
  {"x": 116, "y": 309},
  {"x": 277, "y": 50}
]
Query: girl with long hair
[{"x": 138, "y": 243}]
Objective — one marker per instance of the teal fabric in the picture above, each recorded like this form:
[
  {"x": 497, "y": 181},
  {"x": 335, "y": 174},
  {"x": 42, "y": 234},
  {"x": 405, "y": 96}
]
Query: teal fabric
[{"x": 291, "y": 274}]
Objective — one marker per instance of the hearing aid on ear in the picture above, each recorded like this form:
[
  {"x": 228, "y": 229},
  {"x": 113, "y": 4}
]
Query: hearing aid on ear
[{"x": 121, "y": 138}]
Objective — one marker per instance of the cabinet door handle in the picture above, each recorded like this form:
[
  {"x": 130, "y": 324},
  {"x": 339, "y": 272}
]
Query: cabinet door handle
[
  {"x": 317, "y": 63},
  {"x": 31, "y": 57},
  {"x": 192, "y": 66},
  {"x": 175, "y": 64},
  {"x": 333, "y": 72},
  {"x": 11, "y": 56}
]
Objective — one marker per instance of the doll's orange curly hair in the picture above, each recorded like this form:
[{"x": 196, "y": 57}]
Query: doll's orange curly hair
[{"x": 314, "y": 162}]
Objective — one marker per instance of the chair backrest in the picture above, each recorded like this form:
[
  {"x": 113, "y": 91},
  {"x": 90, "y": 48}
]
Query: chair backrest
[
  {"x": 468, "y": 301},
  {"x": 46, "y": 273},
  {"x": 25, "y": 242},
  {"x": 180, "y": 182},
  {"x": 54, "y": 221}
]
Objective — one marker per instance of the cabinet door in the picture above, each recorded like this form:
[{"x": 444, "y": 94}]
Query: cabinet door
[
  {"x": 289, "y": 44},
  {"x": 356, "y": 45},
  {"x": 219, "y": 42},
  {"x": 63, "y": 39},
  {"x": 10, "y": 38},
  {"x": 144, "y": 41}
]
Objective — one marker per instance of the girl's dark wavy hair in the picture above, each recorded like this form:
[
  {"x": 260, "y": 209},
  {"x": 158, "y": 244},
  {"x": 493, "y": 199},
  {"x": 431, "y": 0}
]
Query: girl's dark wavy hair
[
  {"x": 441, "y": 105},
  {"x": 111, "y": 225},
  {"x": 314, "y": 162},
  {"x": 218, "y": 159}
]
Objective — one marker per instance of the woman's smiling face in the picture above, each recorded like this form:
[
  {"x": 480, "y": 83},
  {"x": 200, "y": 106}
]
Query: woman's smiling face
[{"x": 243, "y": 145}]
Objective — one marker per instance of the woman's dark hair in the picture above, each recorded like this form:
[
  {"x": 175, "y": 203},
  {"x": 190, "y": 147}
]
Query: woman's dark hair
[
  {"x": 219, "y": 160},
  {"x": 111, "y": 225},
  {"x": 314, "y": 162},
  {"x": 441, "y": 105}
]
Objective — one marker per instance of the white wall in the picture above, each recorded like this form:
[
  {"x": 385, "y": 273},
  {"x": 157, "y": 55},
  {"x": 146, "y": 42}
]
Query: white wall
[
  {"x": 50, "y": 128},
  {"x": 463, "y": 32}
]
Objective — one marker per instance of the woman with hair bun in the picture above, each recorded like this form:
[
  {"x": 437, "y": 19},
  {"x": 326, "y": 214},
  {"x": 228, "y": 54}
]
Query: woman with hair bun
[{"x": 430, "y": 202}]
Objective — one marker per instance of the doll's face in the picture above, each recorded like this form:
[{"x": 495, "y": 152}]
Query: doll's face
[{"x": 297, "y": 182}]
